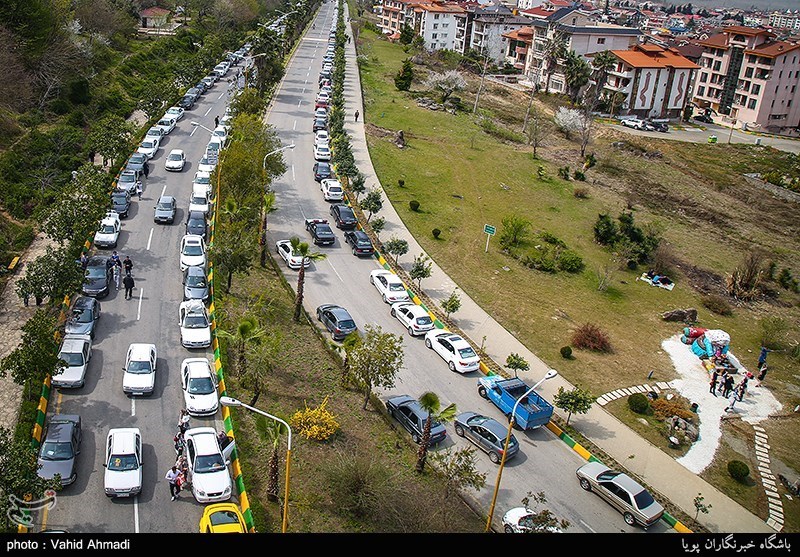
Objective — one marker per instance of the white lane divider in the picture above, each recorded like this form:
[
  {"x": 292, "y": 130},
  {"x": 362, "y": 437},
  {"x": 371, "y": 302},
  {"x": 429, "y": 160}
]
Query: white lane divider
[
  {"x": 139, "y": 310},
  {"x": 293, "y": 179},
  {"x": 133, "y": 406},
  {"x": 308, "y": 74},
  {"x": 334, "y": 270},
  {"x": 194, "y": 129},
  {"x": 136, "y": 514},
  {"x": 299, "y": 103},
  {"x": 164, "y": 189},
  {"x": 150, "y": 239},
  {"x": 304, "y": 90},
  {"x": 309, "y": 68},
  {"x": 207, "y": 111},
  {"x": 220, "y": 96},
  {"x": 294, "y": 126}
]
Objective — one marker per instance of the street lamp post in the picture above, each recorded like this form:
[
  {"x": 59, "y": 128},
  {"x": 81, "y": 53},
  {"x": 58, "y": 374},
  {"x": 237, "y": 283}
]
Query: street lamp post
[
  {"x": 233, "y": 402},
  {"x": 263, "y": 234},
  {"x": 549, "y": 375},
  {"x": 219, "y": 162}
]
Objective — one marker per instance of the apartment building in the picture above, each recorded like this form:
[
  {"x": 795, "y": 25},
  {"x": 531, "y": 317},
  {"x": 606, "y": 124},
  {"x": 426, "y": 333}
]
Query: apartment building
[
  {"x": 392, "y": 14},
  {"x": 749, "y": 76},
  {"x": 481, "y": 28},
  {"x": 785, "y": 20},
  {"x": 433, "y": 20},
  {"x": 654, "y": 80}
]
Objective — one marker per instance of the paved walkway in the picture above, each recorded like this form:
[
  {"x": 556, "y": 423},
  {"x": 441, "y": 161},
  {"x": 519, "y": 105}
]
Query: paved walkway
[{"x": 638, "y": 455}]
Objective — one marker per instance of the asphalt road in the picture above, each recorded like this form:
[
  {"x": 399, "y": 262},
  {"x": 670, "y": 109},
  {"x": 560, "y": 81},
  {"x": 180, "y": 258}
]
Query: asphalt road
[
  {"x": 150, "y": 317},
  {"x": 544, "y": 463}
]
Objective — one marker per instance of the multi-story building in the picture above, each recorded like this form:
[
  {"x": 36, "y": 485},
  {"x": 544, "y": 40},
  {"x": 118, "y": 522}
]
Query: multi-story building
[
  {"x": 392, "y": 14},
  {"x": 433, "y": 20},
  {"x": 581, "y": 34},
  {"x": 655, "y": 81},
  {"x": 752, "y": 78},
  {"x": 481, "y": 28},
  {"x": 518, "y": 43},
  {"x": 785, "y": 20}
]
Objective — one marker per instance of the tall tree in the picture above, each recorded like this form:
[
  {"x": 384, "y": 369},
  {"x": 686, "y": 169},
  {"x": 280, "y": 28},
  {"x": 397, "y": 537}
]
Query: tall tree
[
  {"x": 406, "y": 34},
  {"x": 267, "y": 208},
  {"x": 577, "y": 400},
  {"x": 271, "y": 432},
  {"x": 263, "y": 359},
  {"x": 405, "y": 76},
  {"x": 51, "y": 276},
  {"x": 576, "y": 73},
  {"x": 421, "y": 269},
  {"x": 232, "y": 251},
  {"x": 555, "y": 48},
  {"x": 36, "y": 357},
  {"x": 111, "y": 137},
  {"x": 78, "y": 207},
  {"x": 431, "y": 404},
  {"x": 241, "y": 339},
  {"x": 376, "y": 360},
  {"x": 304, "y": 250},
  {"x": 602, "y": 64},
  {"x": 396, "y": 247}
]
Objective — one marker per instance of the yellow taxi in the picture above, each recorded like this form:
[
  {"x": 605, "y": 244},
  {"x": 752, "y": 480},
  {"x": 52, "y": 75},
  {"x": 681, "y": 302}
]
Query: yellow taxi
[{"x": 222, "y": 518}]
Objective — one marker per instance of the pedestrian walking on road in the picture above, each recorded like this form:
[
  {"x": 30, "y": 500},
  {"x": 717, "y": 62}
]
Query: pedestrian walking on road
[
  {"x": 128, "y": 283},
  {"x": 172, "y": 476},
  {"x": 128, "y": 264},
  {"x": 714, "y": 377},
  {"x": 183, "y": 421},
  {"x": 216, "y": 121},
  {"x": 139, "y": 190},
  {"x": 357, "y": 115},
  {"x": 178, "y": 440}
]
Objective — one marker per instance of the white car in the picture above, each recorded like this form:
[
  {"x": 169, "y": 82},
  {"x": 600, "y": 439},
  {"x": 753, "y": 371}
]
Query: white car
[
  {"x": 175, "y": 160},
  {"x": 156, "y": 132},
  {"x": 207, "y": 164},
  {"x": 519, "y": 520},
  {"x": 293, "y": 260},
  {"x": 202, "y": 178},
  {"x": 123, "y": 463},
  {"x": 215, "y": 145},
  {"x": 208, "y": 465},
  {"x": 193, "y": 251},
  {"x": 634, "y": 123},
  {"x": 413, "y": 318},
  {"x": 322, "y": 152},
  {"x": 76, "y": 351},
  {"x": 199, "y": 384},
  {"x": 226, "y": 121},
  {"x": 331, "y": 190},
  {"x": 175, "y": 112},
  {"x": 167, "y": 124},
  {"x": 389, "y": 285},
  {"x": 321, "y": 113},
  {"x": 199, "y": 199},
  {"x": 107, "y": 234},
  {"x": 140, "y": 369},
  {"x": 222, "y": 133},
  {"x": 454, "y": 350},
  {"x": 195, "y": 324},
  {"x": 149, "y": 147},
  {"x": 321, "y": 137},
  {"x": 323, "y": 96}
]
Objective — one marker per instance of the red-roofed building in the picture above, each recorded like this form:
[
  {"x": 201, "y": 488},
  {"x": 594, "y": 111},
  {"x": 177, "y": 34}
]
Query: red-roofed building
[
  {"x": 655, "y": 81},
  {"x": 752, "y": 78},
  {"x": 154, "y": 17}
]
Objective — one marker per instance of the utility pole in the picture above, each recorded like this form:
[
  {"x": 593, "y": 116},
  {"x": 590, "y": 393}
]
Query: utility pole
[{"x": 480, "y": 87}]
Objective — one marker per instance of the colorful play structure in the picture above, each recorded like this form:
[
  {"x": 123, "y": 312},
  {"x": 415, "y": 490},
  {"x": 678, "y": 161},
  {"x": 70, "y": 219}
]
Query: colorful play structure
[{"x": 710, "y": 345}]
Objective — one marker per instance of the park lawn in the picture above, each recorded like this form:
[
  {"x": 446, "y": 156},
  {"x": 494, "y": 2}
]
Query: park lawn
[
  {"x": 307, "y": 372},
  {"x": 709, "y": 216}
]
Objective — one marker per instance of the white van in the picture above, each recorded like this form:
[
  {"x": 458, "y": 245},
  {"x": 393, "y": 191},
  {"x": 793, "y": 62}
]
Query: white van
[{"x": 199, "y": 200}]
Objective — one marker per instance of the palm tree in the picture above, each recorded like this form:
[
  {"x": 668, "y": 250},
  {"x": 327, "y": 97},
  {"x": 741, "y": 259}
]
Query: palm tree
[
  {"x": 271, "y": 432},
  {"x": 302, "y": 249},
  {"x": 266, "y": 209},
  {"x": 576, "y": 73},
  {"x": 247, "y": 332},
  {"x": 602, "y": 64},
  {"x": 555, "y": 48},
  {"x": 232, "y": 211},
  {"x": 430, "y": 402}
]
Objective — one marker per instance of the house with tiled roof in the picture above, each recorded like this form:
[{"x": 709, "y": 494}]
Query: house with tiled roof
[
  {"x": 752, "y": 78},
  {"x": 154, "y": 17},
  {"x": 653, "y": 81}
]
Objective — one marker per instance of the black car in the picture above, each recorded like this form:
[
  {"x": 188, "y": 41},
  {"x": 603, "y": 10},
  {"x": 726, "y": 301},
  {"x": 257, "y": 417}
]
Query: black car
[
  {"x": 83, "y": 317},
  {"x": 186, "y": 102},
  {"x": 196, "y": 223},
  {"x": 60, "y": 448},
  {"x": 320, "y": 231},
  {"x": 325, "y": 74},
  {"x": 195, "y": 284},
  {"x": 705, "y": 118},
  {"x": 344, "y": 216},
  {"x": 411, "y": 416},
  {"x": 99, "y": 275},
  {"x": 360, "y": 242},
  {"x": 487, "y": 433},
  {"x": 322, "y": 170},
  {"x": 201, "y": 86},
  {"x": 337, "y": 320},
  {"x": 195, "y": 92},
  {"x": 659, "y": 126},
  {"x": 121, "y": 202},
  {"x": 320, "y": 124}
]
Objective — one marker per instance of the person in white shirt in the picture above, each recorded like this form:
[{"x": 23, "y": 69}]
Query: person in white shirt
[{"x": 172, "y": 477}]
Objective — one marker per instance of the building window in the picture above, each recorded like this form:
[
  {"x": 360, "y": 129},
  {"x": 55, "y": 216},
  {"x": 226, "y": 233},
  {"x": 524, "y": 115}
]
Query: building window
[
  {"x": 748, "y": 72},
  {"x": 435, "y": 25},
  {"x": 601, "y": 40},
  {"x": 701, "y": 90},
  {"x": 435, "y": 16},
  {"x": 789, "y": 103},
  {"x": 445, "y": 25},
  {"x": 717, "y": 65},
  {"x": 793, "y": 88},
  {"x": 434, "y": 36},
  {"x": 703, "y": 77},
  {"x": 752, "y": 104},
  {"x": 756, "y": 89}
]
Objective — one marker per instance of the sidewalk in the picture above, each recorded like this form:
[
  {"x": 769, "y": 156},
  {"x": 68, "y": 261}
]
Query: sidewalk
[{"x": 655, "y": 467}]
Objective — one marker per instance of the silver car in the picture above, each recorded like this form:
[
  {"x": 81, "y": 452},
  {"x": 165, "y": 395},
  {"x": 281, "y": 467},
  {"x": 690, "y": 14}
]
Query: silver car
[
  {"x": 195, "y": 284},
  {"x": 76, "y": 351},
  {"x": 83, "y": 317},
  {"x": 60, "y": 448},
  {"x": 487, "y": 434},
  {"x": 622, "y": 492}
]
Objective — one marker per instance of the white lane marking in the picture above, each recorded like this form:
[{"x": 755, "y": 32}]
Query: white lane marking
[
  {"x": 306, "y": 81},
  {"x": 304, "y": 90},
  {"x": 165, "y": 185},
  {"x": 139, "y": 311},
  {"x": 193, "y": 130},
  {"x": 294, "y": 126},
  {"x": 133, "y": 406},
  {"x": 150, "y": 239},
  {"x": 207, "y": 111},
  {"x": 307, "y": 74},
  {"x": 589, "y": 527},
  {"x": 299, "y": 103},
  {"x": 334, "y": 270},
  {"x": 293, "y": 179},
  {"x": 303, "y": 212},
  {"x": 220, "y": 96},
  {"x": 309, "y": 68},
  {"x": 136, "y": 514}
]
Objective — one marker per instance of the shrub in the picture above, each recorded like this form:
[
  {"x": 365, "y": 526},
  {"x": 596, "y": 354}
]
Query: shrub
[
  {"x": 401, "y": 183},
  {"x": 564, "y": 172},
  {"x": 632, "y": 264},
  {"x": 581, "y": 193},
  {"x": 639, "y": 403},
  {"x": 605, "y": 230},
  {"x": 360, "y": 482},
  {"x": 717, "y": 304},
  {"x": 552, "y": 239},
  {"x": 663, "y": 409},
  {"x": 500, "y": 132},
  {"x": 591, "y": 337},
  {"x": 786, "y": 280},
  {"x": 738, "y": 470},
  {"x": 414, "y": 205},
  {"x": 317, "y": 423},
  {"x": 570, "y": 261},
  {"x": 590, "y": 161},
  {"x": 773, "y": 332},
  {"x": 578, "y": 175},
  {"x": 566, "y": 352},
  {"x": 59, "y": 106},
  {"x": 436, "y": 233},
  {"x": 541, "y": 172}
]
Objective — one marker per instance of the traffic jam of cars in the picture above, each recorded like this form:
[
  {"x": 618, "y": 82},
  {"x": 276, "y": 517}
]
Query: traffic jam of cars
[{"x": 206, "y": 456}]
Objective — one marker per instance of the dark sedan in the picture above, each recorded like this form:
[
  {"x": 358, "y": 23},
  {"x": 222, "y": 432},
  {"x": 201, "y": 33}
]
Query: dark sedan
[
  {"x": 187, "y": 102},
  {"x": 60, "y": 448},
  {"x": 705, "y": 118},
  {"x": 337, "y": 320},
  {"x": 99, "y": 275},
  {"x": 320, "y": 124},
  {"x": 322, "y": 170},
  {"x": 487, "y": 433},
  {"x": 360, "y": 242},
  {"x": 344, "y": 216},
  {"x": 83, "y": 317},
  {"x": 121, "y": 202},
  {"x": 165, "y": 209},
  {"x": 196, "y": 223},
  {"x": 138, "y": 162},
  {"x": 411, "y": 416}
]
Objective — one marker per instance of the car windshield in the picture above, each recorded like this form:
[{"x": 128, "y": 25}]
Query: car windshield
[
  {"x": 193, "y": 249},
  {"x": 209, "y": 463},
  {"x": 137, "y": 158},
  {"x": 122, "y": 462},
  {"x": 334, "y": 189},
  {"x": 347, "y": 324},
  {"x": 56, "y": 450},
  {"x": 196, "y": 281},
  {"x": 467, "y": 352},
  {"x": 164, "y": 206},
  {"x": 198, "y": 200},
  {"x": 127, "y": 178},
  {"x": 107, "y": 229},
  {"x": 213, "y": 147},
  {"x": 223, "y": 517},
  {"x": 139, "y": 366},
  {"x": 154, "y": 131},
  {"x": 148, "y": 144},
  {"x": 72, "y": 358},
  {"x": 323, "y": 149},
  {"x": 202, "y": 180},
  {"x": 193, "y": 321},
  {"x": 200, "y": 386},
  {"x": 119, "y": 198},
  {"x": 164, "y": 123},
  {"x": 396, "y": 287},
  {"x": 95, "y": 272},
  {"x": 424, "y": 320},
  {"x": 81, "y": 316},
  {"x": 643, "y": 499},
  {"x": 175, "y": 156}
]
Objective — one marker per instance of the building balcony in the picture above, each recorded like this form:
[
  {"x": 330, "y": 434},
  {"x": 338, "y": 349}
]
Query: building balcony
[{"x": 521, "y": 50}]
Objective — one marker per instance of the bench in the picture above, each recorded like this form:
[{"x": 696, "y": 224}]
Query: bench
[{"x": 13, "y": 264}]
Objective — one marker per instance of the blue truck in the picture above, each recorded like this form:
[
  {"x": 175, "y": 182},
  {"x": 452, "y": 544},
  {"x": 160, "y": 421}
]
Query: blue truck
[{"x": 533, "y": 411}]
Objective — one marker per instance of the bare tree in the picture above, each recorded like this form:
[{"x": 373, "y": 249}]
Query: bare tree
[{"x": 446, "y": 83}]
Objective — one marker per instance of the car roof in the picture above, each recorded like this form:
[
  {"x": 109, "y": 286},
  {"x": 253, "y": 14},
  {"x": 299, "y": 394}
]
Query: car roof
[
  {"x": 109, "y": 220},
  {"x": 192, "y": 238},
  {"x": 140, "y": 350},
  {"x": 123, "y": 439},
  {"x": 96, "y": 260},
  {"x": 180, "y": 151},
  {"x": 205, "y": 440},
  {"x": 359, "y": 234},
  {"x": 193, "y": 306},
  {"x": 59, "y": 431},
  {"x": 128, "y": 171},
  {"x": 343, "y": 208},
  {"x": 84, "y": 302},
  {"x": 197, "y": 366},
  {"x": 74, "y": 343},
  {"x": 196, "y": 215},
  {"x": 629, "y": 484},
  {"x": 339, "y": 312},
  {"x": 166, "y": 199},
  {"x": 195, "y": 270}
]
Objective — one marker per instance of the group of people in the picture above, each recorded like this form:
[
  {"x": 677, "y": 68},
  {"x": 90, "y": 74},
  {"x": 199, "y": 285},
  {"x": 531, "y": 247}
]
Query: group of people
[{"x": 723, "y": 383}]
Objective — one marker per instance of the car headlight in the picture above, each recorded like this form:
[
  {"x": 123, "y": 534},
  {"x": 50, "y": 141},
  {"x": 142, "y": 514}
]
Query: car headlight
[
  {"x": 201, "y": 493},
  {"x": 227, "y": 490}
]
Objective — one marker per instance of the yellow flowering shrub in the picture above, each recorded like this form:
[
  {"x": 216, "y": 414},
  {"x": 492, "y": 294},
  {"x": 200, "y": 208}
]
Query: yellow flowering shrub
[{"x": 315, "y": 423}]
